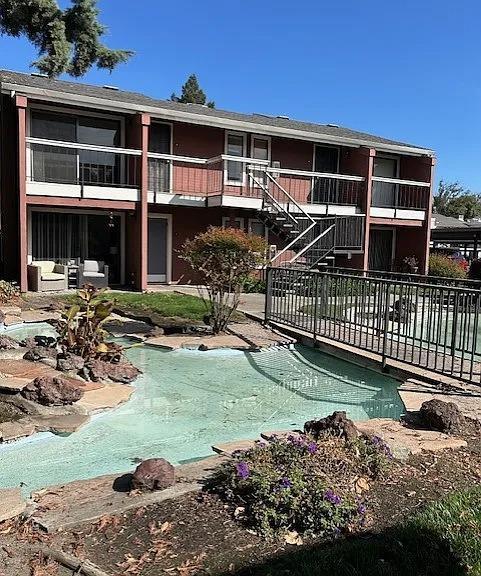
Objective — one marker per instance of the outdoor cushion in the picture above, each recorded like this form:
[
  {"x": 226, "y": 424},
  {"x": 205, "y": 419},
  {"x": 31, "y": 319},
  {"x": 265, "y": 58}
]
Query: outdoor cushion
[
  {"x": 91, "y": 266},
  {"x": 52, "y": 276},
  {"x": 46, "y": 266},
  {"x": 93, "y": 275}
]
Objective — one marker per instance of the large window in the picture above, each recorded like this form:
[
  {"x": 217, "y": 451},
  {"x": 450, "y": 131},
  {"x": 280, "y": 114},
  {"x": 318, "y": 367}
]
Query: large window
[
  {"x": 69, "y": 165},
  {"x": 235, "y": 145}
]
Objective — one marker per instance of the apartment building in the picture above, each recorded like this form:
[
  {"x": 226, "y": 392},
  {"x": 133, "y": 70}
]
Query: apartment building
[{"x": 97, "y": 174}]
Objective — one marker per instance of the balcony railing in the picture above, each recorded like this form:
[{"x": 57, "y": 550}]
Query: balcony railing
[
  {"x": 82, "y": 164},
  {"x": 403, "y": 194}
]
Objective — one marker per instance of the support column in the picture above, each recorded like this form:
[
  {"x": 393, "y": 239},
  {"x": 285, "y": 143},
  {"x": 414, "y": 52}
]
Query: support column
[
  {"x": 424, "y": 263},
  {"x": 143, "y": 209},
  {"x": 371, "y": 153},
  {"x": 21, "y": 104}
]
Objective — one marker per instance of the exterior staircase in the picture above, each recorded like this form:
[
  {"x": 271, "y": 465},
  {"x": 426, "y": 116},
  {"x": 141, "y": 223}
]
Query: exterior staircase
[{"x": 309, "y": 242}]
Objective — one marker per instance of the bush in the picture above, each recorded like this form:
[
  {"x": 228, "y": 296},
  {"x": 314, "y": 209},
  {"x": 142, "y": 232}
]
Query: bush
[
  {"x": 224, "y": 257},
  {"x": 299, "y": 484},
  {"x": 253, "y": 285},
  {"x": 440, "y": 265},
  {"x": 8, "y": 291}
]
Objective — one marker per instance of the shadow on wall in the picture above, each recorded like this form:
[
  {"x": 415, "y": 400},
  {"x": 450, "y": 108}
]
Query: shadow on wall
[{"x": 393, "y": 552}]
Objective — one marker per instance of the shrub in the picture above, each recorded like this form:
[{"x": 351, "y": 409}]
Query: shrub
[
  {"x": 80, "y": 327},
  {"x": 224, "y": 258},
  {"x": 253, "y": 285},
  {"x": 8, "y": 291},
  {"x": 300, "y": 484},
  {"x": 440, "y": 265}
]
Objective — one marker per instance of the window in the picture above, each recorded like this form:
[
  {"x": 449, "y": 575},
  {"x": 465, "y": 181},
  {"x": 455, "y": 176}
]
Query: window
[
  {"x": 260, "y": 150},
  {"x": 237, "y": 223},
  {"x": 235, "y": 145},
  {"x": 67, "y": 165},
  {"x": 257, "y": 227}
]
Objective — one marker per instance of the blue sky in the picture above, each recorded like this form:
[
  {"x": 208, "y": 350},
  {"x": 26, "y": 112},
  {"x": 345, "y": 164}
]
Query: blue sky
[{"x": 407, "y": 70}]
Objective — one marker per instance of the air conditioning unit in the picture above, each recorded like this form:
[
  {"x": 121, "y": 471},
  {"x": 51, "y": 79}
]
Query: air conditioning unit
[{"x": 272, "y": 251}]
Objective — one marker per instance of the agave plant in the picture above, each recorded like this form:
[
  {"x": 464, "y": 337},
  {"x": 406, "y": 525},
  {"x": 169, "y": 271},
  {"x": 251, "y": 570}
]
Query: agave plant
[{"x": 81, "y": 330}]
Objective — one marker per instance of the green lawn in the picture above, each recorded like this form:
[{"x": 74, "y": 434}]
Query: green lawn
[{"x": 443, "y": 540}]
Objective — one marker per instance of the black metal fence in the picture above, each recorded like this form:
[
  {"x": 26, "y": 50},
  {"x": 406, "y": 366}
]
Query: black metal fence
[{"x": 433, "y": 326}]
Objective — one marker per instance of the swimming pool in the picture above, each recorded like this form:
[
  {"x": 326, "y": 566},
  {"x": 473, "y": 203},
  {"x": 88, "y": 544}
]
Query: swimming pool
[{"x": 186, "y": 401}]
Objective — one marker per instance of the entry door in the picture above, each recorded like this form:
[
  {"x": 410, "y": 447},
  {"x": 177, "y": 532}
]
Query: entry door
[
  {"x": 381, "y": 249},
  {"x": 157, "y": 250}
]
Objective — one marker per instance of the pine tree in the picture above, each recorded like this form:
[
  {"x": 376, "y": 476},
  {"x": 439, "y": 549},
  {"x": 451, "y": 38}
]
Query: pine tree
[
  {"x": 67, "y": 41},
  {"x": 192, "y": 93}
]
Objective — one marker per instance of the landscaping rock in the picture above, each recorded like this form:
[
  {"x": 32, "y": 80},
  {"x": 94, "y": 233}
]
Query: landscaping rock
[
  {"x": 52, "y": 391},
  {"x": 8, "y": 343},
  {"x": 153, "y": 474},
  {"x": 70, "y": 363},
  {"x": 12, "y": 503},
  {"x": 337, "y": 424},
  {"x": 40, "y": 353},
  {"x": 443, "y": 416},
  {"x": 123, "y": 372}
]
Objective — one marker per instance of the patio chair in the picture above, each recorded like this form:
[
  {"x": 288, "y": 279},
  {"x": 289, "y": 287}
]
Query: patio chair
[
  {"x": 93, "y": 272},
  {"x": 46, "y": 276}
]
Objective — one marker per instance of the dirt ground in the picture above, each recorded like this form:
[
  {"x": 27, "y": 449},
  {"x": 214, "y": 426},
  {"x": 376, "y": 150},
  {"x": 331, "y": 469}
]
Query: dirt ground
[{"x": 197, "y": 533}]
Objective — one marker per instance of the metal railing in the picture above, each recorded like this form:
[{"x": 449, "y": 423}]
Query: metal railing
[
  {"x": 82, "y": 164},
  {"x": 403, "y": 194},
  {"x": 432, "y": 326}
]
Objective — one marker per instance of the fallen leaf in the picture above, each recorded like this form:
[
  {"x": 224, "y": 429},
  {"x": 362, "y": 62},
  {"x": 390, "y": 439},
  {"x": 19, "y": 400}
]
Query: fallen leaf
[
  {"x": 361, "y": 485},
  {"x": 293, "y": 538}
]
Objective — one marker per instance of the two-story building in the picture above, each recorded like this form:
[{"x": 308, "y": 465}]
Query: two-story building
[{"x": 96, "y": 173}]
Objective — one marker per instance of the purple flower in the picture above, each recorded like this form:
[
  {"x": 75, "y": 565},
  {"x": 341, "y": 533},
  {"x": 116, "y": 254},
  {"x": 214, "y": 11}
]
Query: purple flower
[
  {"x": 361, "y": 509},
  {"x": 297, "y": 441},
  {"x": 285, "y": 483},
  {"x": 332, "y": 497},
  {"x": 312, "y": 447},
  {"x": 242, "y": 470},
  {"x": 382, "y": 447}
]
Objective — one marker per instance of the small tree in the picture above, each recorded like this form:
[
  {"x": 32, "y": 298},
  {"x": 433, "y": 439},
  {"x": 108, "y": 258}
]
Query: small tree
[
  {"x": 224, "y": 257},
  {"x": 192, "y": 93}
]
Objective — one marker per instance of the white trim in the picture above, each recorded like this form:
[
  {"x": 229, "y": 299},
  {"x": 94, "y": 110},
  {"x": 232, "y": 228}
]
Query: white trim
[
  {"x": 226, "y": 220},
  {"x": 232, "y": 201},
  {"x": 175, "y": 199},
  {"x": 168, "y": 278},
  {"x": 315, "y": 174},
  {"x": 227, "y": 157},
  {"x": 89, "y": 191},
  {"x": 79, "y": 146},
  {"x": 108, "y": 103},
  {"x": 398, "y": 181},
  {"x": 86, "y": 211}
]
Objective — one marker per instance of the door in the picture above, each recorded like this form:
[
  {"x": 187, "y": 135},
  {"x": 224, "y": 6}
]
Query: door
[
  {"x": 157, "y": 250},
  {"x": 384, "y": 194},
  {"x": 160, "y": 142},
  {"x": 326, "y": 190},
  {"x": 381, "y": 245}
]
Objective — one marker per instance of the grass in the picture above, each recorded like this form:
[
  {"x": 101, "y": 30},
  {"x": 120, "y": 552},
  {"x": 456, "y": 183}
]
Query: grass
[
  {"x": 166, "y": 304},
  {"x": 443, "y": 540}
]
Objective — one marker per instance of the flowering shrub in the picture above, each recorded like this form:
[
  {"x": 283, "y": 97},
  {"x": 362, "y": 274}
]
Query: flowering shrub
[
  {"x": 299, "y": 484},
  {"x": 440, "y": 265},
  {"x": 8, "y": 291},
  {"x": 224, "y": 258}
]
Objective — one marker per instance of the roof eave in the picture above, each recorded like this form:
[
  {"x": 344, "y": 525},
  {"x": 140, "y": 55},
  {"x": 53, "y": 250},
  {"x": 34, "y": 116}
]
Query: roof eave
[{"x": 206, "y": 120}]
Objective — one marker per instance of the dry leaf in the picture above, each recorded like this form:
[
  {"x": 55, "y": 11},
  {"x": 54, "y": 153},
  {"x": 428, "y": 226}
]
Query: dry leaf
[
  {"x": 106, "y": 521},
  {"x": 293, "y": 538},
  {"x": 361, "y": 485}
]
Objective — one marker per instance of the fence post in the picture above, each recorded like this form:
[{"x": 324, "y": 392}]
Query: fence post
[
  {"x": 316, "y": 302},
  {"x": 454, "y": 332},
  {"x": 268, "y": 302},
  {"x": 385, "y": 328}
]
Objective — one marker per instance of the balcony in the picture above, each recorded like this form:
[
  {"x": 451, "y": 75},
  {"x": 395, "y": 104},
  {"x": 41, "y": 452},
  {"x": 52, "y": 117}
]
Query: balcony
[
  {"x": 73, "y": 170},
  {"x": 394, "y": 198}
]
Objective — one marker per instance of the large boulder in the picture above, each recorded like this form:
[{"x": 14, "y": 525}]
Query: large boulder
[
  {"x": 70, "y": 362},
  {"x": 443, "y": 416},
  {"x": 153, "y": 474},
  {"x": 52, "y": 391},
  {"x": 122, "y": 372},
  {"x": 8, "y": 343},
  {"x": 337, "y": 424}
]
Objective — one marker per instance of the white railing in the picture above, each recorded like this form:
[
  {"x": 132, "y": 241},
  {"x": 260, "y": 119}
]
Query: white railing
[{"x": 397, "y": 193}]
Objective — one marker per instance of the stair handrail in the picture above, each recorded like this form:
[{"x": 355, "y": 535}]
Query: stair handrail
[
  {"x": 316, "y": 239},
  {"x": 301, "y": 210},
  {"x": 294, "y": 241},
  {"x": 274, "y": 201}
]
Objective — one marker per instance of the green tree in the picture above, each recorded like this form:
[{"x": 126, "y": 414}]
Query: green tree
[
  {"x": 192, "y": 93},
  {"x": 454, "y": 200},
  {"x": 67, "y": 41}
]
